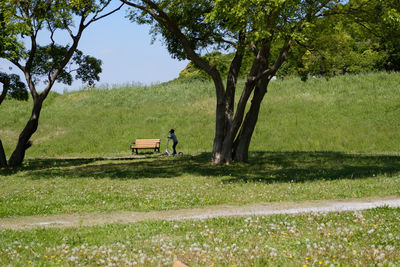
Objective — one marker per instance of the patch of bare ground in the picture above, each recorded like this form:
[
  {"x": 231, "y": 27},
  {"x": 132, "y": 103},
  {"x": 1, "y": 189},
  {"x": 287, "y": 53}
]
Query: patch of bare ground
[
  {"x": 7, "y": 133},
  {"x": 44, "y": 138},
  {"x": 259, "y": 209}
]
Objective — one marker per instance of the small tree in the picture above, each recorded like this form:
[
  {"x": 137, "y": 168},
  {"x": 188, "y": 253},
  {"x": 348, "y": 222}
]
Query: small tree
[
  {"x": 192, "y": 26},
  {"x": 13, "y": 87},
  {"x": 11, "y": 84},
  {"x": 24, "y": 20}
]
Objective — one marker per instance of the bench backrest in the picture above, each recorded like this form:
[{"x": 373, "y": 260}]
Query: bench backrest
[{"x": 150, "y": 143}]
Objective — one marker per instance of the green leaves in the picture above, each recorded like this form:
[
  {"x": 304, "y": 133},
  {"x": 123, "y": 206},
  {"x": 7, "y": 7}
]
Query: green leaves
[
  {"x": 336, "y": 45},
  {"x": 88, "y": 69},
  {"x": 48, "y": 59},
  {"x": 215, "y": 25},
  {"x": 13, "y": 87},
  {"x": 10, "y": 46},
  {"x": 380, "y": 18},
  {"x": 392, "y": 18}
]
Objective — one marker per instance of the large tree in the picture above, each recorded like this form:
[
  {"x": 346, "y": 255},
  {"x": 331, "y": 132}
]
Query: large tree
[
  {"x": 267, "y": 28},
  {"x": 47, "y": 63}
]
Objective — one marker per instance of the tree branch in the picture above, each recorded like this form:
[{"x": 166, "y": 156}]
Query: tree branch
[
  {"x": 72, "y": 49},
  {"x": 28, "y": 67},
  {"x": 232, "y": 78},
  {"x": 161, "y": 17},
  {"x": 28, "y": 64},
  {"x": 229, "y": 42},
  {"x": 68, "y": 29},
  {"x": 253, "y": 48},
  {"x": 95, "y": 18},
  {"x": 51, "y": 33},
  {"x": 17, "y": 64},
  {"x": 278, "y": 62}
]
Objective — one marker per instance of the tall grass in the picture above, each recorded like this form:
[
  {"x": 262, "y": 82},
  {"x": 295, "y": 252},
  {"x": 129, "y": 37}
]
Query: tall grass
[{"x": 348, "y": 113}]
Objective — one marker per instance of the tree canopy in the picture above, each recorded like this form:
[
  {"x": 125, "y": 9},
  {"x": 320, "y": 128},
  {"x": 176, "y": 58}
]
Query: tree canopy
[
  {"x": 12, "y": 86},
  {"x": 380, "y": 18},
  {"x": 350, "y": 38}
]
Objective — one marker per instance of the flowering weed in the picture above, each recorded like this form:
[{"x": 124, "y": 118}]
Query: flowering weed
[{"x": 333, "y": 239}]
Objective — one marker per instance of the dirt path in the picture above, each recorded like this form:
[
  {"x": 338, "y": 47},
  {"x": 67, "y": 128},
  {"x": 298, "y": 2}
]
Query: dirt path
[{"x": 260, "y": 209}]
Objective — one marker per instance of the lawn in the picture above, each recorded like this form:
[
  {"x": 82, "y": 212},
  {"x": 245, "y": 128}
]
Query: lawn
[
  {"x": 320, "y": 140},
  {"x": 368, "y": 238},
  {"x": 54, "y": 186}
]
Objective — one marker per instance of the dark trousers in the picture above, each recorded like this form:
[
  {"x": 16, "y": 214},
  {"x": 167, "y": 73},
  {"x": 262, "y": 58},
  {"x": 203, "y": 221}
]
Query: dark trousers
[{"x": 174, "y": 148}]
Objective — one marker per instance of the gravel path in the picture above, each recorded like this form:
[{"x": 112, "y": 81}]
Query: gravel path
[{"x": 260, "y": 209}]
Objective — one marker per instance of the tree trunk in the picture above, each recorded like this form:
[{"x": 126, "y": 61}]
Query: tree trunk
[
  {"x": 5, "y": 82},
  {"x": 235, "y": 125},
  {"x": 260, "y": 61},
  {"x": 219, "y": 132},
  {"x": 242, "y": 143},
  {"x": 3, "y": 159},
  {"x": 231, "y": 82},
  {"x": 220, "y": 120},
  {"x": 6, "y": 85},
  {"x": 23, "y": 141},
  {"x": 230, "y": 103}
]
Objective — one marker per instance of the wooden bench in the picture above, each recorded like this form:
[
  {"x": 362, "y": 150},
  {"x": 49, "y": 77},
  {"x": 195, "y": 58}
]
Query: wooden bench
[{"x": 146, "y": 144}]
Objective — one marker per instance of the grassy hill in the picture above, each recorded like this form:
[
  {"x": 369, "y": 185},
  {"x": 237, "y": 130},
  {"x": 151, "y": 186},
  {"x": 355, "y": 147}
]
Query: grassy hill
[{"x": 358, "y": 113}]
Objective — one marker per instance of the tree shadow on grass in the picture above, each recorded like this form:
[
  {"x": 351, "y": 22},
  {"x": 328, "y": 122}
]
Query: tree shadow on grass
[
  {"x": 265, "y": 167},
  {"x": 47, "y": 163},
  {"x": 310, "y": 166}
]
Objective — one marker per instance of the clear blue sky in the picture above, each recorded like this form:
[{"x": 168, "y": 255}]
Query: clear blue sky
[{"x": 126, "y": 52}]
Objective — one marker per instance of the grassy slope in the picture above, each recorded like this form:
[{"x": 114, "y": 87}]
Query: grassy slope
[{"x": 350, "y": 113}]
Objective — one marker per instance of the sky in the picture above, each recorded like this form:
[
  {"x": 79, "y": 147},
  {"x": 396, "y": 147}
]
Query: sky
[{"x": 126, "y": 52}]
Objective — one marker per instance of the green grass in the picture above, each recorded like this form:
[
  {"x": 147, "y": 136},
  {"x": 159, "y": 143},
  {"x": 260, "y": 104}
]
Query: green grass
[
  {"x": 51, "y": 186},
  {"x": 324, "y": 139},
  {"x": 359, "y": 113},
  {"x": 311, "y": 131},
  {"x": 368, "y": 238},
  {"x": 347, "y": 113}
]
